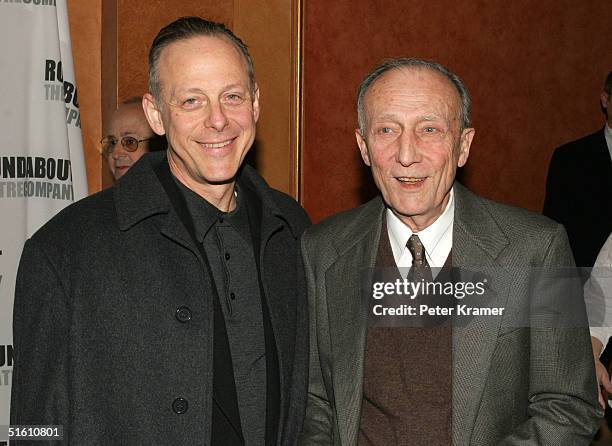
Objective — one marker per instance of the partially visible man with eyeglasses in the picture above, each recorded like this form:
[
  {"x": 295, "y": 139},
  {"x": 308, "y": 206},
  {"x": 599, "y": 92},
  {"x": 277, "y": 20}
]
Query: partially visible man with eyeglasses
[{"x": 128, "y": 137}]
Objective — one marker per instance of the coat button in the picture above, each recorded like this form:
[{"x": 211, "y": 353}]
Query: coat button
[
  {"x": 180, "y": 405},
  {"x": 227, "y": 256},
  {"x": 183, "y": 314}
]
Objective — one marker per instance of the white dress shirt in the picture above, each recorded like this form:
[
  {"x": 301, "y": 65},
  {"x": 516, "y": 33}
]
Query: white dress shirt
[
  {"x": 598, "y": 294},
  {"x": 437, "y": 239},
  {"x": 608, "y": 135}
]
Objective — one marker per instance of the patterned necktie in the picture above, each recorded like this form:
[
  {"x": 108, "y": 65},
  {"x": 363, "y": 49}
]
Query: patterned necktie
[{"x": 420, "y": 268}]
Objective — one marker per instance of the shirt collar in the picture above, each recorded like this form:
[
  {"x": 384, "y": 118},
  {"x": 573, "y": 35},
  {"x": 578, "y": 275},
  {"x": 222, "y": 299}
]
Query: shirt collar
[
  {"x": 608, "y": 135},
  {"x": 430, "y": 237},
  {"x": 205, "y": 215}
]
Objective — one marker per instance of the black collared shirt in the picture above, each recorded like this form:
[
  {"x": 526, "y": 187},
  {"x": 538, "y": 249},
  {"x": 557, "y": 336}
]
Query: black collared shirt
[{"x": 227, "y": 241}]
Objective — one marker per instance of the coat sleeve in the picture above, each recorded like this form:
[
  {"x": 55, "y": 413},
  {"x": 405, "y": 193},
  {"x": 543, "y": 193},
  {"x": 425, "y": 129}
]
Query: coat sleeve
[
  {"x": 300, "y": 367},
  {"x": 319, "y": 420},
  {"x": 40, "y": 336},
  {"x": 563, "y": 408}
]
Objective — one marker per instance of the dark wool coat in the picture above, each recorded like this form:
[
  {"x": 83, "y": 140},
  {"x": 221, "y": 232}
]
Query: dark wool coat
[{"x": 99, "y": 345}]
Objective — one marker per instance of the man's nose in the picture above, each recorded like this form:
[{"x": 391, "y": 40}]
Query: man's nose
[
  {"x": 118, "y": 151},
  {"x": 408, "y": 151},
  {"x": 216, "y": 118}
]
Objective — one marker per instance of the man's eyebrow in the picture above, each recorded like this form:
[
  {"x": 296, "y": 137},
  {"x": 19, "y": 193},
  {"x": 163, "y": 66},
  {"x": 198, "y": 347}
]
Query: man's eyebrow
[{"x": 225, "y": 88}]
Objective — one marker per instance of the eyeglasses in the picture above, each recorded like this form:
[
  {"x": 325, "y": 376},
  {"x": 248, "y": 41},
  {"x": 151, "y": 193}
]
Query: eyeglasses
[{"x": 129, "y": 143}]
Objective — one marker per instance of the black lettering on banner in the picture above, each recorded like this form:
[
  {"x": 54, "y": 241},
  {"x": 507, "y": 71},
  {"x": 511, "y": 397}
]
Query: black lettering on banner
[
  {"x": 6, "y": 355},
  {"x": 68, "y": 96},
  {"x": 71, "y": 114},
  {"x": 68, "y": 89},
  {"x": 8, "y": 167},
  {"x": 39, "y": 167},
  {"x": 24, "y": 167},
  {"x": 35, "y": 167},
  {"x": 50, "y": 168},
  {"x": 49, "y": 70},
  {"x": 63, "y": 169},
  {"x": 53, "y": 70}
]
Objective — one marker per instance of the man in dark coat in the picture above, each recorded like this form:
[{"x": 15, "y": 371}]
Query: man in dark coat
[
  {"x": 579, "y": 184},
  {"x": 170, "y": 308}
]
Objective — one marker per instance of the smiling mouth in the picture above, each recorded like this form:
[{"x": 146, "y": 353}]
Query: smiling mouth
[
  {"x": 410, "y": 180},
  {"x": 217, "y": 145}
]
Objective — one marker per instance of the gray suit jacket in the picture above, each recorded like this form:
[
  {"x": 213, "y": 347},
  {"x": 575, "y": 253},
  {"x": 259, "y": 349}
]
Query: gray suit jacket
[{"x": 512, "y": 385}]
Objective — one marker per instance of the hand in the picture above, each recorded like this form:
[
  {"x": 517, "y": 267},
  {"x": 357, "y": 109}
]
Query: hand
[{"x": 603, "y": 378}]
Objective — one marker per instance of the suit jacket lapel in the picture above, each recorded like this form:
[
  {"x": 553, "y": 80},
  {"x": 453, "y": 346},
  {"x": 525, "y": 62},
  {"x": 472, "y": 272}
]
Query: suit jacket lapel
[
  {"x": 343, "y": 282},
  {"x": 477, "y": 242}
]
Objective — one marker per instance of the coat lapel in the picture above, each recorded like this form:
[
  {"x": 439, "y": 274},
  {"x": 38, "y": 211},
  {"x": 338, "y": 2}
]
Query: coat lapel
[
  {"x": 343, "y": 282},
  {"x": 477, "y": 242}
]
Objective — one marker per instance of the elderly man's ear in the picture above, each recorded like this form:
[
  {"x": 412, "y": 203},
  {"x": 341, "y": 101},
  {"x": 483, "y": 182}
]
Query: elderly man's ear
[
  {"x": 467, "y": 136},
  {"x": 363, "y": 147},
  {"x": 153, "y": 114}
]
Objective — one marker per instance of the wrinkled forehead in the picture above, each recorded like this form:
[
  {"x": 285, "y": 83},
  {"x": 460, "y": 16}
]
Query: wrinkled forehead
[
  {"x": 199, "y": 54},
  {"x": 420, "y": 85}
]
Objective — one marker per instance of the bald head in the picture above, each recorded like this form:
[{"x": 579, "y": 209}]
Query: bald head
[{"x": 129, "y": 123}]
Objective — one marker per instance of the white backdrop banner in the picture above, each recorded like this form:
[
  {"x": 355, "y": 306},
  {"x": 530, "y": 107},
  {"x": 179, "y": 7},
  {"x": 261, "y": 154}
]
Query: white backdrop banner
[{"x": 42, "y": 168}]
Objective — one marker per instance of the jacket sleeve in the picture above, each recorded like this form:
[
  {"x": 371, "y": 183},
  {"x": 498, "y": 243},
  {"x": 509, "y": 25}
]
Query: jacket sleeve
[
  {"x": 319, "y": 421},
  {"x": 40, "y": 336},
  {"x": 563, "y": 409}
]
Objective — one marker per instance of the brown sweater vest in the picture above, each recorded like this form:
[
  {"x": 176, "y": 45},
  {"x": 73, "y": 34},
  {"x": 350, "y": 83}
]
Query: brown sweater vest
[{"x": 407, "y": 379}]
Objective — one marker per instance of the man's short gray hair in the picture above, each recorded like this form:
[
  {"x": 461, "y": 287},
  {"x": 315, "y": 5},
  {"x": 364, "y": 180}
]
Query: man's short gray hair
[{"x": 465, "y": 103}]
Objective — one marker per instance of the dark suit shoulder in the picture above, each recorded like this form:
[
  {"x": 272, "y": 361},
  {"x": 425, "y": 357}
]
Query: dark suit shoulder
[
  {"x": 79, "y": 220},
  {"x": 291, "y": 209},
  {"x": 574, "y": 149}
]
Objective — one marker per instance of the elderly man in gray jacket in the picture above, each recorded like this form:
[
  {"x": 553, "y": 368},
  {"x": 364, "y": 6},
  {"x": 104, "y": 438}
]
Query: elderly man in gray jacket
[{"x": 515, "y": 372}]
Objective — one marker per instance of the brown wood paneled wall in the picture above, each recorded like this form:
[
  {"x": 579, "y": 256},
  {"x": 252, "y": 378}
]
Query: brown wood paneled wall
[
  {"x": 534, "y": 69},
  {"x": 111, "y": 39},
  {"x": 86, "y": 35}
]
